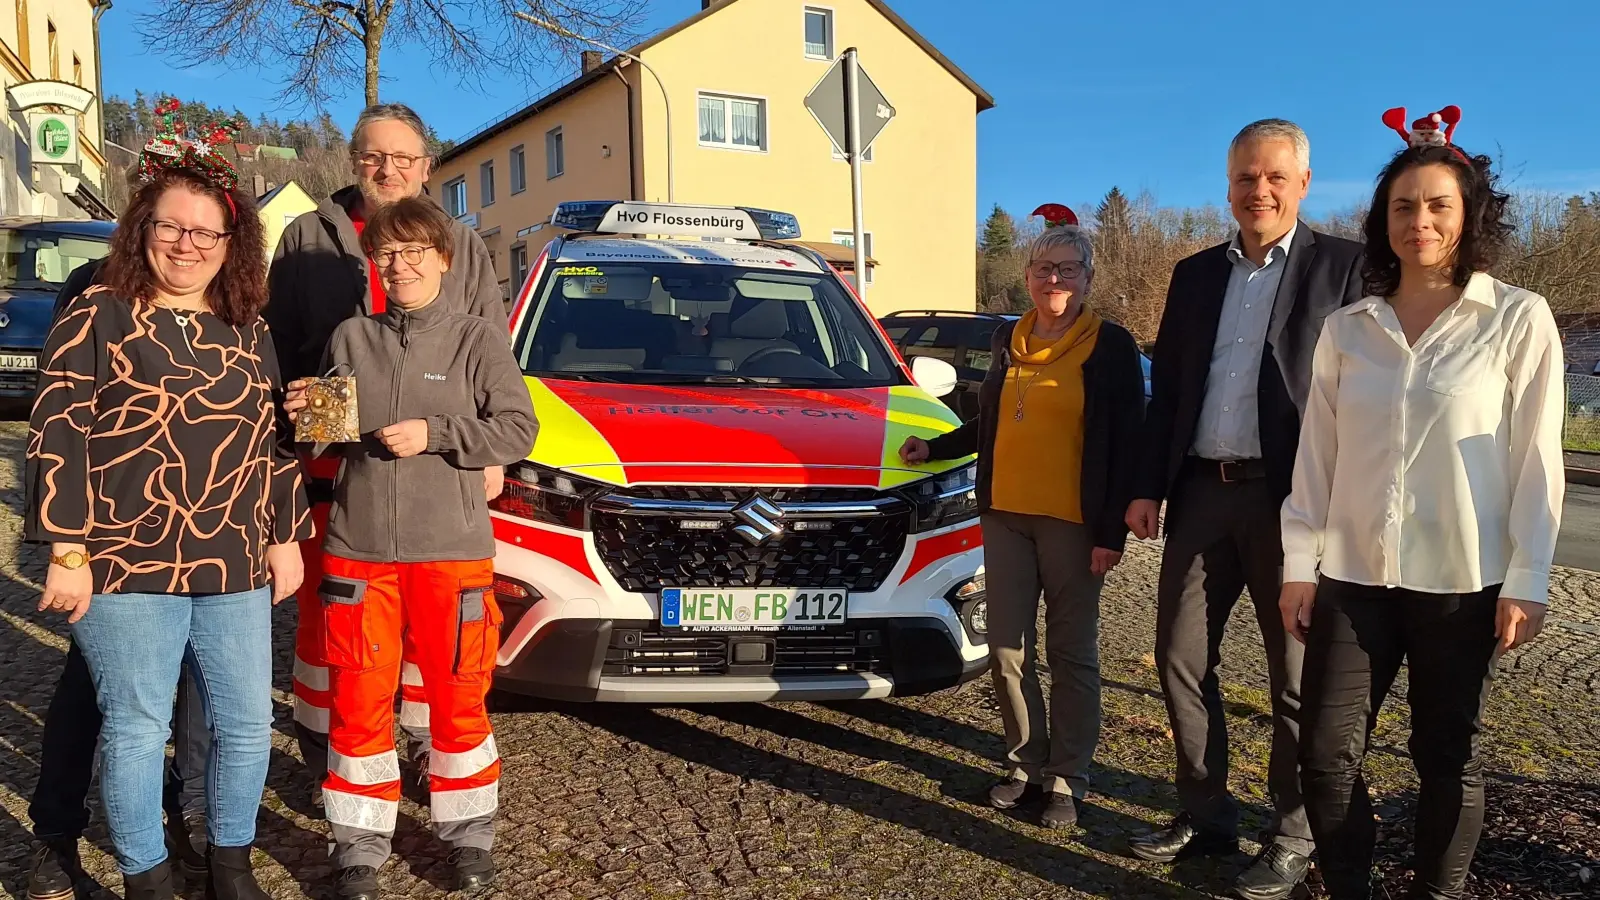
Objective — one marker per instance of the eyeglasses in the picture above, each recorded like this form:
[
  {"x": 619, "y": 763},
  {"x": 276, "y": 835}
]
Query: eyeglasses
[
  {"x": 1066, "y": 271},
  {"x": 412, "y": 256},
  {"x": 374, "y": 159},
  {"x": 171, "y": 233}
]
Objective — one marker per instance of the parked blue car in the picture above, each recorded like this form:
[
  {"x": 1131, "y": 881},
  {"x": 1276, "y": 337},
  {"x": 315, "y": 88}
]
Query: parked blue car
[{"x": 36, "y": 256}]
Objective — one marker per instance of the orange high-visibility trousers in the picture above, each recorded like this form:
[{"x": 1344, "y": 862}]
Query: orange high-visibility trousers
[
  {"x": 443, "y": 617},
  {"x": 311, "y": 694}
]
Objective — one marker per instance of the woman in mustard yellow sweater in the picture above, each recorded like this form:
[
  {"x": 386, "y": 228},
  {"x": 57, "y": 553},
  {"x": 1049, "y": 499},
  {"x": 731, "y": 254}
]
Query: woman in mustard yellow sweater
[{"x": 1058, "y": 415}]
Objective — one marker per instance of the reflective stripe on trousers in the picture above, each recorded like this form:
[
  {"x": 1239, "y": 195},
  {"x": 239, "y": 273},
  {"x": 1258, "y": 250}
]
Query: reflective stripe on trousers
[{"x": 441, "y": 618}]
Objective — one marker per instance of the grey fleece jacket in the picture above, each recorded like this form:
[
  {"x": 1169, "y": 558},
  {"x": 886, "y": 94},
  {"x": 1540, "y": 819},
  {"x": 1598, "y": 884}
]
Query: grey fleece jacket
[
  {"x": 319, "y": 278},
  {"x": 456, "y": 372}
]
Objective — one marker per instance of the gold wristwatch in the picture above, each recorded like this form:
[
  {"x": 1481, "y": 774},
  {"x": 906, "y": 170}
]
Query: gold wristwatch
[{"x": 72, "y": 559}]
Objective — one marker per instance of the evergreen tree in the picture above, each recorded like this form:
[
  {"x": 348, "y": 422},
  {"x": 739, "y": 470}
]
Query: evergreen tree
[
  {"x": 999, "y": 233},
  {"x": 1000, "y": 283}
]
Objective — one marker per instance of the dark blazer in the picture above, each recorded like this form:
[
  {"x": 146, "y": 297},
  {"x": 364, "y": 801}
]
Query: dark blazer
[
  {"x": 1113, "y": 405},
  {"x": 78, "y": 280},
  {"x": 1323, "y": 274}
]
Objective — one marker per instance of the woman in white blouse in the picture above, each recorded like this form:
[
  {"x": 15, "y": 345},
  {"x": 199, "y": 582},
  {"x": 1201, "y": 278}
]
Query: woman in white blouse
[{"x": 1426, "y": 503}]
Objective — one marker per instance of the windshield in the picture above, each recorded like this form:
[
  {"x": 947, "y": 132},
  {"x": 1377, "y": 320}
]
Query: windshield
[
  {"x": 36, "y": 259},
  {"x": 676, "y": 323}
]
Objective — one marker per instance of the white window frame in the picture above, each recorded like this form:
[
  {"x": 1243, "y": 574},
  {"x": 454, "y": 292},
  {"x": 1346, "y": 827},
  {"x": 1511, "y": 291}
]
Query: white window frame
[
  {"x": 828, "y": 42},
  {"x": 448, "y": 189},
  {"x": 849, "y": 234},
  {"x": 555, "y": 164},
  {"x": 517, "y": 278},
  {"x": 486, "y": 185},
  {"x": 517, "y": 162},
  {"x": 727, "y": 120}
]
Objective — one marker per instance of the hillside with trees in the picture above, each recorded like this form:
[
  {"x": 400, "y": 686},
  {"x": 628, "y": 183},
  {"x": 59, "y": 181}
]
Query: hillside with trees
[{"x": 1556, "y": 252}]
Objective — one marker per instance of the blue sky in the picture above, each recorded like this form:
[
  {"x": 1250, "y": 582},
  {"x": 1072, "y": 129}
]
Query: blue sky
[{"x": 1144, "y": 94}]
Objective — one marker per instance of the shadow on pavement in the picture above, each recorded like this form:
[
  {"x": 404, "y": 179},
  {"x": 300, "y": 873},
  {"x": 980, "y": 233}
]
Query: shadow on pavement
[{"x": 939, "y": 821}]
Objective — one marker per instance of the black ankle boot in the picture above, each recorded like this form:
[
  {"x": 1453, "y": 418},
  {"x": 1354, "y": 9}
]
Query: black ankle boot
[
  {"x": 55, "y": 871},
  {"x": 230, "y": 876},
  {"x": 155, "y": 884},
  {"x": 186, "y": 842}
]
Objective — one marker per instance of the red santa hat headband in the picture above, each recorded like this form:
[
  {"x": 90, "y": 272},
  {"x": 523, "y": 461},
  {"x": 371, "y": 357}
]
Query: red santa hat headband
[
  {"x": 1426, "y": 132},
  {"x": 1056, "y": 216}
]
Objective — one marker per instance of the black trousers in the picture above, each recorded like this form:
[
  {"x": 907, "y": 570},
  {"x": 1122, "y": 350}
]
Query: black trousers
[
  {"x": 1222, "y": 538},
  {"x": 59, "y": 809},
  {"x": 1359, "y": 636}
]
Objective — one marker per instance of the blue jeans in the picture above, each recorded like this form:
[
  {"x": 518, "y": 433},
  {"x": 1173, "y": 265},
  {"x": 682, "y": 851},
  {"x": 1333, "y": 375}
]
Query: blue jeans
[{"x": 135, "y": 645}]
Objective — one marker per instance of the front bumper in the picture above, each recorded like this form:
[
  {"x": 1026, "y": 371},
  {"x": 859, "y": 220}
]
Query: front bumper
[
  {"x": 18, "y": 383},
  {"x": 631, "y": 661}
]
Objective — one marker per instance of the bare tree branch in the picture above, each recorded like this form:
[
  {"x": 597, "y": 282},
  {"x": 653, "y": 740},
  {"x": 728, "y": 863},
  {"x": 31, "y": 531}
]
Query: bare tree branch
[{"x": 323, "y": 48}]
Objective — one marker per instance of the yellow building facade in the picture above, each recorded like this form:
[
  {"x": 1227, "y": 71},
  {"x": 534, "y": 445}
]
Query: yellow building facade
[
  {"x": 44, "y": 41},
  {"x": 737, "y": 75}
]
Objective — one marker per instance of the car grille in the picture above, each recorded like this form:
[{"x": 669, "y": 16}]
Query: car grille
[
  {"x": 652, "y": 653},
  {"x": 696, "y": 494},
  {"x": 646, "y": 553}
]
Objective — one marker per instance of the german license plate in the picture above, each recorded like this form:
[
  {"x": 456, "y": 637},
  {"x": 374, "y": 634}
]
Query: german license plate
[
  {"x": 751, "y": 609},
  {"x": 18, "y": 361}
]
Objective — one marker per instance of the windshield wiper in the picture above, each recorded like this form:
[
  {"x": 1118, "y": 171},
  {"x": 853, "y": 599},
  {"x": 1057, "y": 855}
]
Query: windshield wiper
[{"x": 578, "y": 376}]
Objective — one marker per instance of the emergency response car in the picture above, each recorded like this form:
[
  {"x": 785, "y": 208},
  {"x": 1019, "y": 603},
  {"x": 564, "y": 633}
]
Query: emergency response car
[{"x": 715, "y": 508}]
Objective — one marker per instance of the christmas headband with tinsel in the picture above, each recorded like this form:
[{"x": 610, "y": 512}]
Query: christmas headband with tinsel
[
  {"x": 1056, "y": 216},
  {"x": 173, "y": 148},
  {"x": 1425, "y": 132}
]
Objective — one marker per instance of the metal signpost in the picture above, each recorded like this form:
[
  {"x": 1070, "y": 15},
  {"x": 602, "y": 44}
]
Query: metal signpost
[{"x": 837, "y": 102}]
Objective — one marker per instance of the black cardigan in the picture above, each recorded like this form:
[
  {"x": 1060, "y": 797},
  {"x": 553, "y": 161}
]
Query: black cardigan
[{"x": 1113, "y": 397}]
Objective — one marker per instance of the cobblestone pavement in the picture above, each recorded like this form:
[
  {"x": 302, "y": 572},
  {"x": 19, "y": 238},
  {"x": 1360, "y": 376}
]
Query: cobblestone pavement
[{"x": 851, "y": 800}]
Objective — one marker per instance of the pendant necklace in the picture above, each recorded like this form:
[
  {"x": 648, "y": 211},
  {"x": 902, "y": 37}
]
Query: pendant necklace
[
  {"x": 183, "y": 318},
  {"x": 1022, "y": 390}
]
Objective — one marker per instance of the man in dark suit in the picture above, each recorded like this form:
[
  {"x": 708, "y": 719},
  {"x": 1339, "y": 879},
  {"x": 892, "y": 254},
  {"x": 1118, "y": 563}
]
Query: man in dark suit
[{"x": 1230, "y": 375}]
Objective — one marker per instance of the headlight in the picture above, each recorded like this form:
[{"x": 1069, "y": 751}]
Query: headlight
[
  {"x": 945, "y": 499},
  {"x": 970, "y": 600},
  {"x": 546, "y": 495}
]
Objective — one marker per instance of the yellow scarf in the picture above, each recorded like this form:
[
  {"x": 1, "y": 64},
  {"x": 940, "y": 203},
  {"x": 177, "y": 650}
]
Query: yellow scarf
[{"x": 1085, "y": 328}]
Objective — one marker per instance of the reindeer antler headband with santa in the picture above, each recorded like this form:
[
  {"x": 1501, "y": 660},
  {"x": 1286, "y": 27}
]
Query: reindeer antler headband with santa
[
  {"x": 172, "y": 148},
  {"x": 1425, "y": 131},
  {"x": 1056, "y": 216}
]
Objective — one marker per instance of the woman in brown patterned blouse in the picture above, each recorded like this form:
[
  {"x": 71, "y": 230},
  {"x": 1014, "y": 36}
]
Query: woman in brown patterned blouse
[{"x": 171, "y": 500}]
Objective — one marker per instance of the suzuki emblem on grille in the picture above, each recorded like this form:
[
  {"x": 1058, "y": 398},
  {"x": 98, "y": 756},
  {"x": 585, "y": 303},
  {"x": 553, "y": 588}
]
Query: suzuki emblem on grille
[{"x": 762, "y": 520}]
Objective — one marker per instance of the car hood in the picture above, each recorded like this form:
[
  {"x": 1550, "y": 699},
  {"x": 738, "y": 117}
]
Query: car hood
[
  {"x": 711, "y": 435},
  {"x": 26, "y": 315}
]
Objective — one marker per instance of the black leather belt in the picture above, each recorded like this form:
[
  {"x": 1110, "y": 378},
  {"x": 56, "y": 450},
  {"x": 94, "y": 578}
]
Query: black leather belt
[{"x": 1230, "y": 471}]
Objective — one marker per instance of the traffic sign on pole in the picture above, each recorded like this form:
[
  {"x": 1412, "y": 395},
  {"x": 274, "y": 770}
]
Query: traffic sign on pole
[
  {"x": 827, "y": 103},
  {"x": 852, "y": 112}
]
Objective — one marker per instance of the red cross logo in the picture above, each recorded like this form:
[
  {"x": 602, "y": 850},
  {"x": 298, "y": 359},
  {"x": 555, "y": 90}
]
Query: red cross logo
[{"x": 786, "y": 264}]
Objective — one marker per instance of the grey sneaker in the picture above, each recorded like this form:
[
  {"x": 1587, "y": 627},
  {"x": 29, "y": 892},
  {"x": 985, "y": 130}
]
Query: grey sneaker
[
  {"x": 1060, "y": 812},
  {"x": 1009, "y": 794}
]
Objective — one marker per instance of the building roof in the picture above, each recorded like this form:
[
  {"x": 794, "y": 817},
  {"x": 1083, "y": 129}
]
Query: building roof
[
  {"x": 985, "y": 100},
  {"x": 835, "y": 254}
]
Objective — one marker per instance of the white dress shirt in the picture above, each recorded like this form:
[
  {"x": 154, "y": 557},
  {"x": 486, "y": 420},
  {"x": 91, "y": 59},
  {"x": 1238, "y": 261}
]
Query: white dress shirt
[
  {"x": 1229, "y": 426},
  {"x": 1434, "y": 467}
]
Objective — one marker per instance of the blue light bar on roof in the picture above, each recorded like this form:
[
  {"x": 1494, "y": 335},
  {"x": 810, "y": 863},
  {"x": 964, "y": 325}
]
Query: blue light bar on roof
[{"x": 630, "y": 217}]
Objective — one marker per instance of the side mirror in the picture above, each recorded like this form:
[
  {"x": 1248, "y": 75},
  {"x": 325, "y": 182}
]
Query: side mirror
[{"x": 935, "y": 376}]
